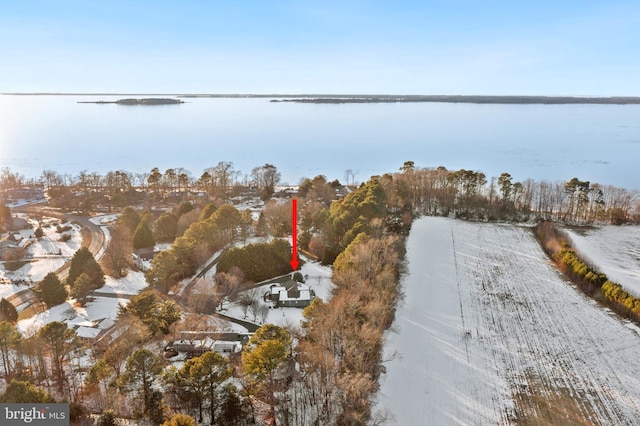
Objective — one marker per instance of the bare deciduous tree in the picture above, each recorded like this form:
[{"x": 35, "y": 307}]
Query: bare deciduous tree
[{"x": 116, "y": 260}]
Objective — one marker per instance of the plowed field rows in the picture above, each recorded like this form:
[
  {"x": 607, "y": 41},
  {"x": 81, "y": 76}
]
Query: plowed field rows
[{"x": 490, "y": 333}]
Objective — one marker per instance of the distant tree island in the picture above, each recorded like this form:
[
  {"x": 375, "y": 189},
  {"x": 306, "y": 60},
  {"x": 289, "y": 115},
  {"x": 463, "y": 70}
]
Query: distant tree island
[
  {"x": 352, "y": 98},
  {"x": 134, "y": 101},
  {"x": 620, "y": 100}
]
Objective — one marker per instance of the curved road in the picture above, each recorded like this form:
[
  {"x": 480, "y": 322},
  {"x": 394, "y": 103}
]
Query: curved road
[{"x": 96, "y": 244}]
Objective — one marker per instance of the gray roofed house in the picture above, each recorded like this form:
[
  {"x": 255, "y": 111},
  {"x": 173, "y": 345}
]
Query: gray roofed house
[{"x": 290, "y": 294}]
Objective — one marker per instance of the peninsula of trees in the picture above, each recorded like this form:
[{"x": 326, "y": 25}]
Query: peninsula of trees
[
  {"x": 360, "y": 98},
  {"x": 619, "y": 100},
  {"x": 141, "y": 101}
]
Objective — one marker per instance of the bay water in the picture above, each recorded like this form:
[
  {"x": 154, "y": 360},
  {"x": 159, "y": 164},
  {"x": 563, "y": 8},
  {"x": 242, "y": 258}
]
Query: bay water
[{"x": 598, "y": 143}]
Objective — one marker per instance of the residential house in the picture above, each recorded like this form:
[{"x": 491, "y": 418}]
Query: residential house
[
  {"x": 201, "y": 346},
  {"x": 290, "y": 294},
  {"x": 8, "y": 242}
]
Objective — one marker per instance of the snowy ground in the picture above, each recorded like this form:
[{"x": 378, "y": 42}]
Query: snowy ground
[
  {"x": 318, "y": 278},
  {"x": 45, "y": 254},
  {"x": 132, "y": 284},
  {"x": 98, "y": 314},
  {"x": 490, "y": 332},
  {"x": 614, "y": 251}
]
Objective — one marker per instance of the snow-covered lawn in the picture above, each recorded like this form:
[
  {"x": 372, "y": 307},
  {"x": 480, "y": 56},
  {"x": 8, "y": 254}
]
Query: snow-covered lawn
[
  {"x": 98, "y": 314},
  {"x": 7, "y": 289},
  {"x": 489, "y": 331},
  {"x": 318, "y": 278},
  {"x": 104, "y": 219},
  {"x": 50, "y": 244},
  {"x": 44, "y": 255},
  {"x": 132, "y": 284},
  {"x": 614, "y": 251}
]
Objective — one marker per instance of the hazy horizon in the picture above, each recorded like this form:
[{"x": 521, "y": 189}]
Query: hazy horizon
[
  {"x": 274, "y": 94},
  {"x": 544, "y": 48}
]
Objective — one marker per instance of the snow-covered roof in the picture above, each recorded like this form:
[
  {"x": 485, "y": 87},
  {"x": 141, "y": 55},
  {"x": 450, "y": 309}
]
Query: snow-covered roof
[
  {"x": 292, "y": 290},
  {"x": 7, "y": 241},
  {"x": 88, "y": 332}
]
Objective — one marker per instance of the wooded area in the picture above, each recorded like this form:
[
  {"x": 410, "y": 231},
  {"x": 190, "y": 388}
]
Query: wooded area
[{"x": 323, "y": 372}]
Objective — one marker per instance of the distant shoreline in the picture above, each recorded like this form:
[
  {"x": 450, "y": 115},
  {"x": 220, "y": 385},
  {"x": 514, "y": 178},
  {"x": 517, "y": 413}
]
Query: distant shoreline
[
  {"x": 142, "y": 101},
  {"x": 545, "y": 100},
  {"x": 150, "y": 99}
]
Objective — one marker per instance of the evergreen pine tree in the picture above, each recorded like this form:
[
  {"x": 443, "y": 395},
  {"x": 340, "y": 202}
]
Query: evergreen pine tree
[
  {"x": 39, "y": 233},
  {"x": 107, "y": 418},
  {"x": 166, "y": 228},
  {"x": 8, "y": 312},
  {"x": 51, "y": 290},
  {"x": 81, "y": 288},
  {"x": 129, "y": 218},
  {"x": 25, "y": 393},
  {"x": 84, "y": 262},
  {"x": 143, "y": 237},
  {"x": 5, "y": 214}
]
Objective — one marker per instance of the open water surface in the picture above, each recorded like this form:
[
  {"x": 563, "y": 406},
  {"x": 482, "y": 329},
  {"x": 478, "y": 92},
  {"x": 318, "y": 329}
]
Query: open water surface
[{"x": 599, "y": 143}]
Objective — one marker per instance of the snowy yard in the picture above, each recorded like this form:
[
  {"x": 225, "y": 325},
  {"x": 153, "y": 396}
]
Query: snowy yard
[
  {"x": 98, "y": 314},
  {"x": 490, "y": 332},
  {"x": 318, "y": 278},
  {"x": 132, "y": 284},
  {"x": 44, "y": 255},
  {"x": 88, "y": 321}
]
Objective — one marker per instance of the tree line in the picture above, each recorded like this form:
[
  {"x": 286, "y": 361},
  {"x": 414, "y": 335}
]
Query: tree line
[
  {"x": 191, "y": 250},
  {"x": 86, "y": 191},
  {"x": 464, "y": 193},
  {"x": 470, "y": 194},
  {"x": 326, "y": 371}
]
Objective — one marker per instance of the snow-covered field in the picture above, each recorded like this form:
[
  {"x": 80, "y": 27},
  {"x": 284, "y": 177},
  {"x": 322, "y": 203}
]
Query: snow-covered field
[
  {"x": 489, "y": 332},
  {"x": 614, "y": 251}
]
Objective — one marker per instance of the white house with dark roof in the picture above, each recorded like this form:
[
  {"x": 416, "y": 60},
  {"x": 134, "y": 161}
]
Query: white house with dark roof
[{"x": 290, "y": 294}]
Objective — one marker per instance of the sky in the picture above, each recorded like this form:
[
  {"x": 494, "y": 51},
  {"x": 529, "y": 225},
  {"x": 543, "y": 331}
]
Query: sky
[{"x": 577, "y": 48}]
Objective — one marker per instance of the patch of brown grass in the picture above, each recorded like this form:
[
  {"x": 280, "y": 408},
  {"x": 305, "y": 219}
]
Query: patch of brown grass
[
  {"x": 549, "y": 238},
  {"x": 535, "y": 406},
  {"x": 30, "y": 311}
]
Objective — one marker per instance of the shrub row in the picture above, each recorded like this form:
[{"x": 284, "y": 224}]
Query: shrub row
[
  {"x": 592, "y": 281},
  {"x": 626, "y": 304},
  {"x": 577, "y": 269}
]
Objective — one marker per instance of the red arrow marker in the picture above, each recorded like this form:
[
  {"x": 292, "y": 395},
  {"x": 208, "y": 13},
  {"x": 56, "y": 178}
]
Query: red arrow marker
[{"x": 294, "y": 234}]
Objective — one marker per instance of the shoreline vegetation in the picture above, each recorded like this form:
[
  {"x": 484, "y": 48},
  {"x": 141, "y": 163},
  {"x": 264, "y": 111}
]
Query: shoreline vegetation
[
  {"x": 140, "y": 101},
  {"x": 546, "y": 100},
  {"x": 346, "y": 98},
  {"x": 593, "y": 283}
]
